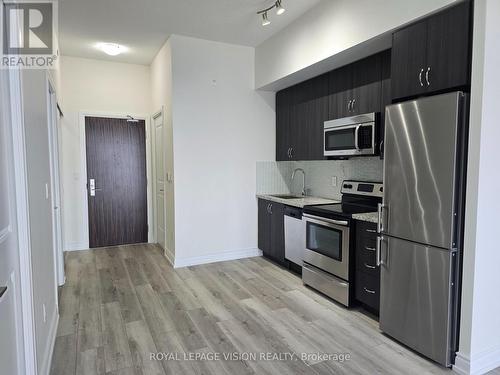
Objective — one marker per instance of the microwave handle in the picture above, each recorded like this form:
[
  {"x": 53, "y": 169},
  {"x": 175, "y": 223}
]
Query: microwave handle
[{"x": 356, "y": 138}]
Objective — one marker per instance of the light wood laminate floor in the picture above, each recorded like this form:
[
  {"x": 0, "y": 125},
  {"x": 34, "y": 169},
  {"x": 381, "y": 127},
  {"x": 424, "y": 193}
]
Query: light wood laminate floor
[{"x": 121, "y": 304}]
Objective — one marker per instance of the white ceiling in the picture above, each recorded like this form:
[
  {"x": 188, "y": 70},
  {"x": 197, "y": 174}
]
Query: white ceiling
[{"x": 144, "y": 25}]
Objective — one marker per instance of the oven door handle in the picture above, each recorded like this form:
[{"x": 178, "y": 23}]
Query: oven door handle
[{"x": 323, "y": 219}]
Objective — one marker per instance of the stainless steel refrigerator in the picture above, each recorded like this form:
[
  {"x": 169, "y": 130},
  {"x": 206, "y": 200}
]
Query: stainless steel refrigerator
[{"x": 420, "y": 223}]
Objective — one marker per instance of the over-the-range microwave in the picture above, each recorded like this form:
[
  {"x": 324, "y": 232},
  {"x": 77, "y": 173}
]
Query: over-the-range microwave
[{"x": 352, "y": 136}]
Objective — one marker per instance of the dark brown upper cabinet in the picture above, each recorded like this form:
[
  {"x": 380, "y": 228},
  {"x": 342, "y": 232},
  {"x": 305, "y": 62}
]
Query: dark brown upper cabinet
[
  {"x": 301, "y": 111},
  {"x": 355, "y": 89},
  {"x": 432, "y": 55}
]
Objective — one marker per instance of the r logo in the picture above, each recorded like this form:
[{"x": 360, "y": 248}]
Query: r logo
[{"x": 35, "y": 22}]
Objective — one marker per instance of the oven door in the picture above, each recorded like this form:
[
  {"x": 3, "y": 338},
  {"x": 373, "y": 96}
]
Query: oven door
[{"x": 327, "y": 245}]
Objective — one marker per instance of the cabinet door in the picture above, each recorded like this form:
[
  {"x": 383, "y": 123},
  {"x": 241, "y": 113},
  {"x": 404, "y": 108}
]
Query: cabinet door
[
  {"x": 385, "y": 97},
  {"x": 366, "y": 76},
  {"x": 283, "y": 124},
  {"x": 264, "y": 226},
  {"x": 340, "y": 93},
  {"x": 448, "y": 46},
  {"x": 315, "y": 113},
  {"x": 278, "y": 232},
  {"x": 409, "y": 60},
  {"x": 298, "y": 132}
]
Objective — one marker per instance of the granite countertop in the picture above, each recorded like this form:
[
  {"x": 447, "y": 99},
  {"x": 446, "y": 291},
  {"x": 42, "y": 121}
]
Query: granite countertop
[
  {"x": 371, "y": 217},
  {"x": 298, "y": 202}
]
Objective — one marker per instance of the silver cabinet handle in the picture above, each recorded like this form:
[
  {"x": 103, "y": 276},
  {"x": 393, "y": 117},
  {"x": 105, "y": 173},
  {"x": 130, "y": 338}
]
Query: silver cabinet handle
[
  {"x": 370, "y": 248},
  {"x": 370, "y": 266},
  {"x": 420, "y": 77},
  {"x": 268, "y": 205},
  {"x": 349, "y": 106},
  {"x": 271, "y": 208},
  {"x": 427, "y": 75},
  {"x": 352, "y": 105},
  {"x": 288, "y": 152},
  {"x": 368, "y": 290},
  {"x": 291, "y": 152}
]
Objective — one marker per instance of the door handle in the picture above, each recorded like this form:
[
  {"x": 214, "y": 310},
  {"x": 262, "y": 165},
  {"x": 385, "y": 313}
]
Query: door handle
[
  {"x": 349, "y": 106},
  {"x": 427, "y": 75},
  {"x": 420, "y": 77},
  {"x": 370, "y": 266},
  {"x": 356, "y": 138},
  {"x": 368, "y": 290},
  {"x": 379, "y": 244},
  {"x": 271, "y": 208},
  {"x": 380, "y": 224},
  {"x": 353, "y": 104}
]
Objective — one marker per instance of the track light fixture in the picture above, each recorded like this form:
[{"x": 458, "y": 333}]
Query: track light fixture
[
  {"x": 279, "y": 11},
  {"x": 265, "y": 20}
]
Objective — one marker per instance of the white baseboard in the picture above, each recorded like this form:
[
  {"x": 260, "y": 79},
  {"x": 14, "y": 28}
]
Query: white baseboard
[
  {"x": 217, "y": 257},
  {"x": 49, "y": 348},
  {"x": 479, "y": 364},
  {"x": 76, "y": 246}
]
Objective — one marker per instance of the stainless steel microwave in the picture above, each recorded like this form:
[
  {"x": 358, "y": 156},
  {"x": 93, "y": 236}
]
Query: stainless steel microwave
[{"x": 352, "y": 136}]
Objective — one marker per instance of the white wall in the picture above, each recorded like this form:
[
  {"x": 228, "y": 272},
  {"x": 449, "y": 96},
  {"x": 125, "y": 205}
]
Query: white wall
[
  {"x": 480, "y": 322},
  {"x": 92, "y": 86},
  {"x": 329, "y": 29},
  {"x": 161, "y": 86},
  {"x": 221, "y": 128}
]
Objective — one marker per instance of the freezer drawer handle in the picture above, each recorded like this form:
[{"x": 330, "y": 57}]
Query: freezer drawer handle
[
  {"x": 370, "y": 266},
  {"x": 379, "y": 244},
  {"x": 368, "y": 290}
]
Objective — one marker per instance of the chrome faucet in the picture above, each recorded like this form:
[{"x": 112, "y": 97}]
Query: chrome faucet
[{"x": 303, "y": 179}]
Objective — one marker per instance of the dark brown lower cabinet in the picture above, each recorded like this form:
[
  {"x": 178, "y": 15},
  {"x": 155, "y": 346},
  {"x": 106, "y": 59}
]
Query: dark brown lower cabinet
[
  {"x": 367, "y": 279},
  {"x": 271, "y": 230}
]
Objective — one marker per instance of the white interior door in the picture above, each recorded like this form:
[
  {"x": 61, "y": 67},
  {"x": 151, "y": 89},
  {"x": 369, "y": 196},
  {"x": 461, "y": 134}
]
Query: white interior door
[
  {"x": 11, "y": 347},
  {"x": 159, "y": 150}
]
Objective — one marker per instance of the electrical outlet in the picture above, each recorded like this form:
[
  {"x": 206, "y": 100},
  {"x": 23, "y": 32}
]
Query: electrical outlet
[{"x": 334, "y": 181}]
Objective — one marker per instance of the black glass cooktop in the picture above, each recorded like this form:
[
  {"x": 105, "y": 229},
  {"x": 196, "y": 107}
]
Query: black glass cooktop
[{"x": 339, "y": 209}]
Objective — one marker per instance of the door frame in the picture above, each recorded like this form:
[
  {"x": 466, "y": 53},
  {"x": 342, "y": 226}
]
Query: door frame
[
  {"x": 55, "y": 174},
  {"x": 27, "y": 341},
  {"x": 83, "y": 168},
  {"x": 154, "y": 116}
]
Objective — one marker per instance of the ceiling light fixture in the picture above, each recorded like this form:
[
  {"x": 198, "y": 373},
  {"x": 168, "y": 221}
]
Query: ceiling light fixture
[
  {"x": 265, "y": 20},
  {"x": 279, "y": 11},
  {"x": 279, "y": 8},
  {"x": 111, "y": 49}
]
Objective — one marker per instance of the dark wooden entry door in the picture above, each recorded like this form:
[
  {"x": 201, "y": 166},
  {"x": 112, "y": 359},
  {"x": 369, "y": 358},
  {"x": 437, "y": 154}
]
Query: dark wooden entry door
[{"x": 116, "y": 162}]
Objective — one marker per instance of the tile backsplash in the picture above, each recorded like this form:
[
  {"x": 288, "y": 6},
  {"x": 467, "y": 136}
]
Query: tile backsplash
[{"x": 276, "y": 177}]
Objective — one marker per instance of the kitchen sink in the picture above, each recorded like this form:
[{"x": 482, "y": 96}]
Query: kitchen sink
[{"x": 287, "y": 196}]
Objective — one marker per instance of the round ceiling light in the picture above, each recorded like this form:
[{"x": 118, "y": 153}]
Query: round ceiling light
[{"x": 111, "y": 49}]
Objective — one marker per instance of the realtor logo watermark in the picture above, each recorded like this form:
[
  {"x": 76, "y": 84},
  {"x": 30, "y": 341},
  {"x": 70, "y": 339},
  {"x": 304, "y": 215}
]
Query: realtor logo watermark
[{"x": 29, "y": 32}]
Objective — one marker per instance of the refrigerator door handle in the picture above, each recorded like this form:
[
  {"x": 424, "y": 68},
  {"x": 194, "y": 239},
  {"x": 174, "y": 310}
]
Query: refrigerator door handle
[
  {"x": 378, "y": 254},
  {"x": 380, "y": 224}
]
